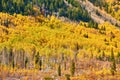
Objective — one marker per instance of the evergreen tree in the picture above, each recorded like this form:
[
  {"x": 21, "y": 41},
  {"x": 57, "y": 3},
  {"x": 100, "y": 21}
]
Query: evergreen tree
[{"x": 26, "y": 7}]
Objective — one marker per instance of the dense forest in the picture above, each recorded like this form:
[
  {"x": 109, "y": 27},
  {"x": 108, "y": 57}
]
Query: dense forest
[
  {"x": 35, "y": 44},
  {"x": 58, "y": 7},
  {"x": 58, "y": 48}
]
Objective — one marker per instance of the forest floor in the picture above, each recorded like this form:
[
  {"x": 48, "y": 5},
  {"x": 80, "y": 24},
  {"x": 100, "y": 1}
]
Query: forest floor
[{"x": 85, "y": 70}]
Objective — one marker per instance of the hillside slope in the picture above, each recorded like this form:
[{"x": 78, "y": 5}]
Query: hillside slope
[
  {"x": 97, "y": 14},
  {"x": 25, "y": 41},
  {"x": 50, "y": 34},
  {"x": 75, "y": 10},
  {"x": 45, "y": 7},
  {"x": 58, "y": 40},
  {"x": 112, "y": 7}
]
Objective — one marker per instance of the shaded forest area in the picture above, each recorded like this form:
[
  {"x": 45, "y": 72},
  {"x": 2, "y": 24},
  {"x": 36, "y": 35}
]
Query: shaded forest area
[{"x": 45, "y": 7}]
